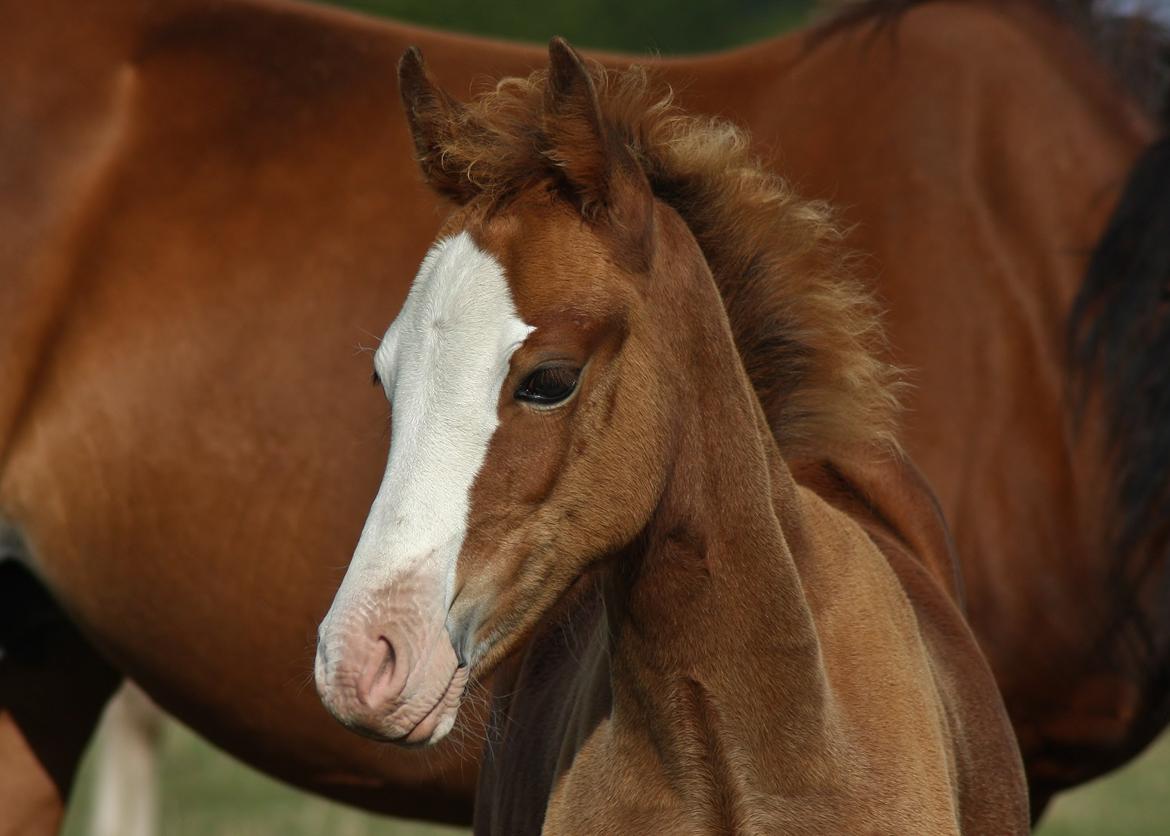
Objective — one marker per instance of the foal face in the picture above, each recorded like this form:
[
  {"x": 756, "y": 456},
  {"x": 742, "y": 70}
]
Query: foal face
[{"x": 528, "y": 436}]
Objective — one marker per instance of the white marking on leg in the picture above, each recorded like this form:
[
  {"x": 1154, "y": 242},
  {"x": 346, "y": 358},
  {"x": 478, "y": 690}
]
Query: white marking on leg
[{"x": 126, "y": 788}]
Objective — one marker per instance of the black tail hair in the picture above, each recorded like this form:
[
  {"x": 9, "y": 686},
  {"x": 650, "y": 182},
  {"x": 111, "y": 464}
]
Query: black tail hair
[{"x": 1119, "y": 340}]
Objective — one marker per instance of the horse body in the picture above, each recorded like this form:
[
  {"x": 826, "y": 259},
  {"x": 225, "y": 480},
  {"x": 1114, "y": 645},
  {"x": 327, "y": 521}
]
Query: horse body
[
  {"x": 89, "y": 444},
  {"x": 206, "y": 206}
]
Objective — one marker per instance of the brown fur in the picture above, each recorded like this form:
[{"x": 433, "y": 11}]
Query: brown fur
[
  {"x": 808, "y": 330},
  {"x": 1134, "y": 44},
  {"x": 208, "y": 205},
  {"x": 735, "y": 626}
]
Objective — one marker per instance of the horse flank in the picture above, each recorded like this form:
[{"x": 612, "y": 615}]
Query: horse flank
[{"x": 1118, "y": 338}]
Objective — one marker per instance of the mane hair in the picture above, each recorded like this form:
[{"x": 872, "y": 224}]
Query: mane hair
[{"x": 807, "y": 330}]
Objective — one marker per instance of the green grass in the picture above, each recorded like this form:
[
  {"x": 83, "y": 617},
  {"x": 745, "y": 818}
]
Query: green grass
[
  {"x": 205, "y": 793},
  {"x": 1133, "y": 801}
]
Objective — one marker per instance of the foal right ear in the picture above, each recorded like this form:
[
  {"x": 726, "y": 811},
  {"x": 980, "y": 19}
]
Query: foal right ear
[{"x": 432, "y": 116}]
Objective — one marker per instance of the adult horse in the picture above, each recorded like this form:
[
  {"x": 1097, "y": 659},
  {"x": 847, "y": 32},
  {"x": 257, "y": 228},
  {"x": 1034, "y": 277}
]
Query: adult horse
[
  {"x": 581, "y": 476},
  {"x": 206, "y": 205}
]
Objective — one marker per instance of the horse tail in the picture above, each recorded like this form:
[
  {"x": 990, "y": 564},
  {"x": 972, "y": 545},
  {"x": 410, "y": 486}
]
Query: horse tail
[{"x": 1119, "y": 342}]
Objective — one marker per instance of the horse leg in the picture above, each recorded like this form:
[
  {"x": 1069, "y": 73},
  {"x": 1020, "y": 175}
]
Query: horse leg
[
  {"x": 53, "y": 686},
  {"x": 126, "y": 791}
]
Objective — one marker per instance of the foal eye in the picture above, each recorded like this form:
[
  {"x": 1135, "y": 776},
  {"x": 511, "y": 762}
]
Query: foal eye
[{"x": 548, "y": 386}]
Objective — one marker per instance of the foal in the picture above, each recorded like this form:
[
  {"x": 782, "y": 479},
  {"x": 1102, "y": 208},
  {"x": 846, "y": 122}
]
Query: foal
[{"x": 696, "y": 624}]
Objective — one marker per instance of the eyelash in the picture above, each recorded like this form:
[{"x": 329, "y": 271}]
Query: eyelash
[{"x": 548, "y": 386}]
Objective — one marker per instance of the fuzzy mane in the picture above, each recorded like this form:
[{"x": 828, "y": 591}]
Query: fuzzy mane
[{"x": 807, "y": 330}]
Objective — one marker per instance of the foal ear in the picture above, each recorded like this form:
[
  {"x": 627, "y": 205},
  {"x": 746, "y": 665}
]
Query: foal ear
[
  {"x": 432, "y": 116},
  {"x": 600, "y": 170}
]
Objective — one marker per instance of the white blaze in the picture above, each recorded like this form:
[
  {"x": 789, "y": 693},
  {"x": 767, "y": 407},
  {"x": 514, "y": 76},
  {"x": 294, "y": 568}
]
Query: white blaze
[{"x": 442, "y": 362}]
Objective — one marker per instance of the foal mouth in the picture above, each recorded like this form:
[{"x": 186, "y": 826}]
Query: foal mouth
[{"x": 439, "y": 719}]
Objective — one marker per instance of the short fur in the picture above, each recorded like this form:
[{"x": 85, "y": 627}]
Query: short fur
[
  {"x": 1135, "y": 45},
  {"x": 736, "y": 620},
  {"x": 143, "y": 420}
]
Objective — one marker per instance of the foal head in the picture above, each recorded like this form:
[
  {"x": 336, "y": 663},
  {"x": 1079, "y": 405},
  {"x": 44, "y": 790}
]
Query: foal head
[
  {"x": 527, "y": 395},
  {"x": 554, "y": 334}
]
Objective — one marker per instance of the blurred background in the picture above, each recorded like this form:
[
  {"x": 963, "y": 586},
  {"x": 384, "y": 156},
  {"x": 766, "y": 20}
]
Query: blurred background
[
  {"x": 205, "y": 793},
  {"x": 666, "y": 26}
]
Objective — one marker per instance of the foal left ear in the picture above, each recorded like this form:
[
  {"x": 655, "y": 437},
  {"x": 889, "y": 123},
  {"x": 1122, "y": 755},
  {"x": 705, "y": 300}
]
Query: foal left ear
[
  {"x": 432, "y": 116},
  {"x": 600, "y": 170}
]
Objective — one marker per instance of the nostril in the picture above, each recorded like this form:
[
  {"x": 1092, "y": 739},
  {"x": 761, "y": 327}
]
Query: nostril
[
  {"x": 387, "y": 652},
  {"x": 377, "y": 684}
]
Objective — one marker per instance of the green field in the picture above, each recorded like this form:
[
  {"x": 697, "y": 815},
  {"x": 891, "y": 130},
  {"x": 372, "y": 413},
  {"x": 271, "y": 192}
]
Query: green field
[{"x": 205, "y": 793}]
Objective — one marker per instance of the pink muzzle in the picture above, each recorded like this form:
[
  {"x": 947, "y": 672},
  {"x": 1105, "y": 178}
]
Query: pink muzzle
[{"x": 385, "y": 664}]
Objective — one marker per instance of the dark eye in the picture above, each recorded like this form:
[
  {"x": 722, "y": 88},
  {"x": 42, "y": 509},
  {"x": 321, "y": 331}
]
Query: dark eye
[{"x": 549, "y": 385}]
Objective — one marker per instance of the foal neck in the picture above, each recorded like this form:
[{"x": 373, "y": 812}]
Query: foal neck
[{"x": 712, "y": 644}]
